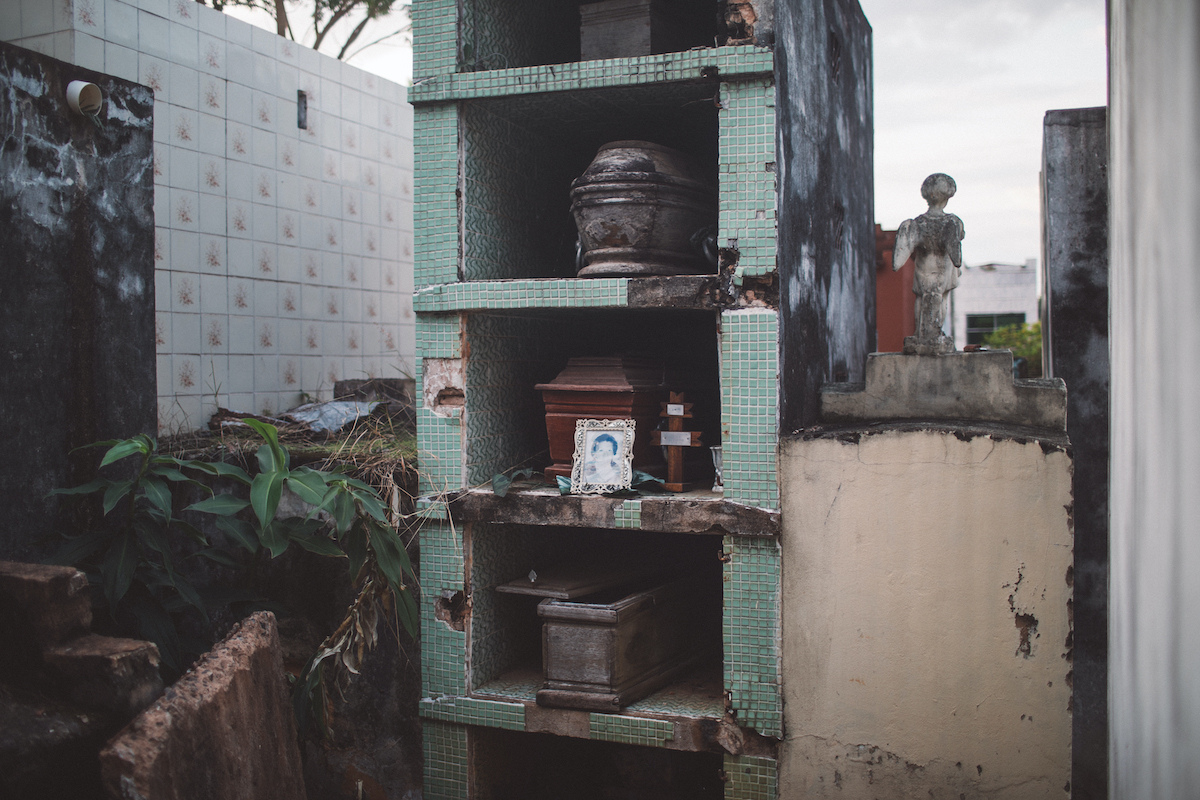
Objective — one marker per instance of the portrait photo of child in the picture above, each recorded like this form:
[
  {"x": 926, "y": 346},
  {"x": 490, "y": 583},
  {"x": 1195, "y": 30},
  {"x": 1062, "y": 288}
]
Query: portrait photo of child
[{"x": 603, "y": 456}]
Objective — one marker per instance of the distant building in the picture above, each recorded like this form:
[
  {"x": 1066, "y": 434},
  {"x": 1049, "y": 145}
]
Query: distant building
[{"x": 992, "y": 296}]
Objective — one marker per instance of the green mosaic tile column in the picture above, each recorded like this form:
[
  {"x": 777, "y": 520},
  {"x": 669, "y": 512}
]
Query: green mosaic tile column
[
  {"x": 749, "y": 401},
  {"x": 747, "y": 173},
  {"x": 443, "y": 649},
  {"x": 445, "y": 761},
  {"x": 751, "y": 778},
  {"x": 439, "y": 438},
  {"x": 751, "y": 631},
  {"x": 435, "y": 41},
  {"x": 435, "y": 211}
]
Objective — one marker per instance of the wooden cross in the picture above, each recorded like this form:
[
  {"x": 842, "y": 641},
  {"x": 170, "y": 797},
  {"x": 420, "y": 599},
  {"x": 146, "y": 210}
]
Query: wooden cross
[{"x": 675, "y": 438}]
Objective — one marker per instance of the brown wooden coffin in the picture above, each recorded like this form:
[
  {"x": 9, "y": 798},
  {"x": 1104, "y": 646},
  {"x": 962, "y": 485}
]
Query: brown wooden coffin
[
  {"x": 603, "y": 653},
  {"x": 617, "y": 387}
]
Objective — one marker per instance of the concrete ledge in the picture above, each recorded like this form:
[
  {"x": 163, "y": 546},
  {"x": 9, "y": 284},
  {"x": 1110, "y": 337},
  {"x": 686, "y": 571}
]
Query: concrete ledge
[
  {"x": 224, "y": 730},
  {"x": 961, "y": 386}
]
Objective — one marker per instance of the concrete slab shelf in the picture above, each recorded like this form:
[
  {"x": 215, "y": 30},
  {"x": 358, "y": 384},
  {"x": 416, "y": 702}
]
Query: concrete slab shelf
[
  {"x": 699, "y": 512},
  {"x": 697, "y": 292},
  {"x": 687, "y": 715},
  {"x": 701, "y": 64}
]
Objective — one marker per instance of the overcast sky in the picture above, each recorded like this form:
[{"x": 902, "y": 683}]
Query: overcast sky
[{"x": 961, "y": 87}]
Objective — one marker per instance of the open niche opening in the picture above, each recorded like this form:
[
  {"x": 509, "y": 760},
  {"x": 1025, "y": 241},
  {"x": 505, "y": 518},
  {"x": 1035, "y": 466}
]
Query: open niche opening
[
  {"x": 520, "y": 155},
  {"x": 511, "y": 353},
  {"x": 630, "y": 613},
  {"x": 501, "y": 34},
  {"x": 532, "y": 766}
]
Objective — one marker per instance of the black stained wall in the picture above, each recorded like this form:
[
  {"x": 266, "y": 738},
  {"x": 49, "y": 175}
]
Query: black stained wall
[
  {"x": 825, "y": 141},
  {"x": 1075, "y": 329},
  {"x": 76, "y": 286}
]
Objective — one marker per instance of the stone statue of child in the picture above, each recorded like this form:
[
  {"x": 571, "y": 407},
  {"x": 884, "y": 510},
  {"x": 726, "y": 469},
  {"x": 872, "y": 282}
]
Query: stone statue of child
[{"x": 935, "y": 239}]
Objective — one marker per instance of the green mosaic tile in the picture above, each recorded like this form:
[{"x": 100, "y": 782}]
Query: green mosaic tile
[
  {"x": 439, "y": 336},
  {"x": 430, "y": 508},
  {"x": 750, "y": 624},
  {"x": 474, "y": 711},
  {"x": 435, "y": 39},
  {"x": 523, "y": 686},
  {"x": 749, "y": 400},
  {"x": 751, "y": 778},
  {"x": 498, "y": 555},
  {"x": 445, "y": 761},
  {"x": 674, "y": 701},
  {"x": 628, "y": 514},
  {"x": 746, "y": 155},
  {"x": 439, "y": 438},
  {"x": 443, "y": 649},
  {"x": 435, "y": 204},
  {"x": 505, "y": 417},
  {"x": 528, "y": 293},
  {"x": 733, "y": 61},
  {"x": 630, "y": 730}
]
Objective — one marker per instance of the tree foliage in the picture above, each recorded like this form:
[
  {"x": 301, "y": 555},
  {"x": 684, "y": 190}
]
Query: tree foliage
[
  {"x": 327, "y": 18},
  {"x": 135, "y": 554},
  {"x": 1025, "y": 341}
]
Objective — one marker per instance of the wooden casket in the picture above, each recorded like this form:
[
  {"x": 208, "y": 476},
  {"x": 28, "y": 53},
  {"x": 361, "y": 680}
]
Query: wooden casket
[
  {"x": 617, "y": 387},
  {"x": 607, "y": 650}
]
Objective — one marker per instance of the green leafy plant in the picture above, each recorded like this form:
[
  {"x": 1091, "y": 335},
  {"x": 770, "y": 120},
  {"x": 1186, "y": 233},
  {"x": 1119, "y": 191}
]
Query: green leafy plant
[
  {"x": 1024, "y": 340},
  {"x": 132, "y": 556},
  {"x": 345, "y": 518}
]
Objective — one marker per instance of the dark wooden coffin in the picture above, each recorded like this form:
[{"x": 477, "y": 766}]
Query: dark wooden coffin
[
  {"x": 622, "y": 28},
  {"x": 617, "y": 387},
  {"x": 601, "y": 653}
]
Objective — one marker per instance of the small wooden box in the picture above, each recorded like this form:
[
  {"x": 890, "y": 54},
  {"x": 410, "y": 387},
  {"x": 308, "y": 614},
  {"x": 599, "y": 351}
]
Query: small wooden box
[
  {"x": 618, "y": 387},
  {"x": 602, "y": 654}
]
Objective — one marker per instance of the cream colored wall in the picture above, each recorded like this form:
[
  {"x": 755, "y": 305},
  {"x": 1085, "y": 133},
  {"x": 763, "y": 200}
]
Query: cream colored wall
[{"x": 911, "y": 559}]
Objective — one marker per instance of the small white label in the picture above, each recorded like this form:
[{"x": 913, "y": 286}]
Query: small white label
[
  {"x": 674, "y": 409},
  {"x": 677, "y": 438}
]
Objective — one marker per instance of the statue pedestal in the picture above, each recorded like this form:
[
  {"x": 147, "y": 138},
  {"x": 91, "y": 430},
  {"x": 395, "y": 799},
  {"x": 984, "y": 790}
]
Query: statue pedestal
[
  {"x": 939, "y": 347},
  {"x": 954, "y": 386}
]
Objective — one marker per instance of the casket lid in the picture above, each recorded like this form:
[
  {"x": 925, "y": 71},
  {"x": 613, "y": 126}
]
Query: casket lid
[{"x": 610, "y": 374}]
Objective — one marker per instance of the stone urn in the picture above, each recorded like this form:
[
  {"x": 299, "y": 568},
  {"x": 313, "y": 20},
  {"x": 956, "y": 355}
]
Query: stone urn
[{"x": 641, "y": 209}]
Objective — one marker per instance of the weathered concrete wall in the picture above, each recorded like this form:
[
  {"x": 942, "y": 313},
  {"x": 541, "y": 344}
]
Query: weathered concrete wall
[
  {"x": 76, "y": 284},
  {"x": 926, "y": 615},
  {"x": 825, "y": 145},
  {"x": 283, "y": 253},
  {"x": 1154, "y": 604},
  {"x": 1075, "y": 254},
  {"x": 225, "y": 729}
]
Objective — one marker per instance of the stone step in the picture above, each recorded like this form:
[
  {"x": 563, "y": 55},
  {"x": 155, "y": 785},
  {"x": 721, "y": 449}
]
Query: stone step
[
  {"x": 118, "y": 675},
  {"x": 53, "y": 601}
]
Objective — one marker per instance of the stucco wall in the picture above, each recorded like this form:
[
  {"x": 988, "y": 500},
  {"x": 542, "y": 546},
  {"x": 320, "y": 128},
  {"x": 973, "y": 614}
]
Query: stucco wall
[
  {"x": 926, "y": 616},
  {"x": 283, "y": 255}
]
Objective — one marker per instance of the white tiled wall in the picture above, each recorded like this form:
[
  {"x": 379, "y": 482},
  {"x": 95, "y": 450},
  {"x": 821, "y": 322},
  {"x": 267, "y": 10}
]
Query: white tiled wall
[{"x": 284, "y": 255}]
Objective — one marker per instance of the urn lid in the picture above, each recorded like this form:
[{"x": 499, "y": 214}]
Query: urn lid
[
  {"x": 610, "y": 374},
  {"x": 633, "y": 160}
]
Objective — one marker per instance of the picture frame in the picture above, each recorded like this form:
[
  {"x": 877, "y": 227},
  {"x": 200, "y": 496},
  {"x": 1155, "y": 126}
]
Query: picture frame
[{"x": 603, "y": 460}]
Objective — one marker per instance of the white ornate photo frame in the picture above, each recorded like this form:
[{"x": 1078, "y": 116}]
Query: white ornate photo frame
[{"x": 594, "y": 470}]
